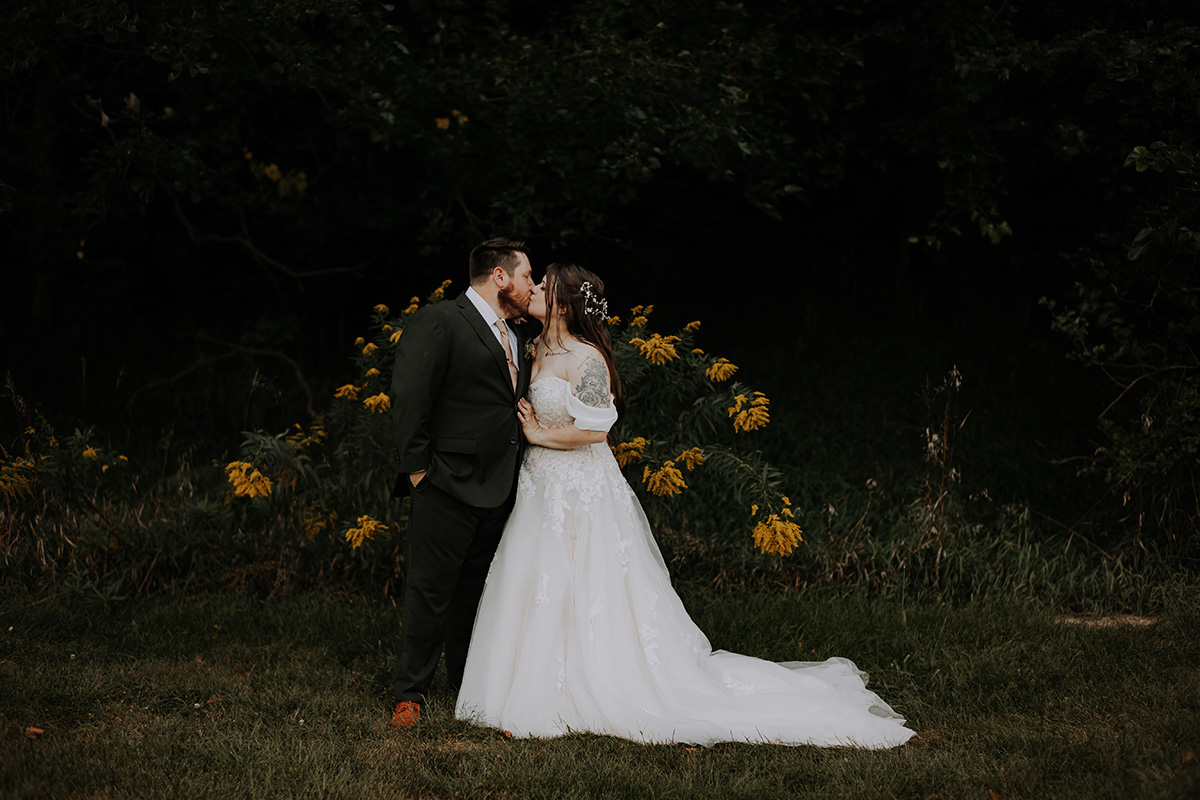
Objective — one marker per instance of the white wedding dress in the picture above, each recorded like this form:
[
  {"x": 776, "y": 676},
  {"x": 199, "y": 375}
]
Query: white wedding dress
[{"x": 579, "y": 629}]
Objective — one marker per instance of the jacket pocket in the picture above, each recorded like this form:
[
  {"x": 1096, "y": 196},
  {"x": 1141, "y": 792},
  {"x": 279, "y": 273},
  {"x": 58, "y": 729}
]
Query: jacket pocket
[{"x": 446, "y": 445}]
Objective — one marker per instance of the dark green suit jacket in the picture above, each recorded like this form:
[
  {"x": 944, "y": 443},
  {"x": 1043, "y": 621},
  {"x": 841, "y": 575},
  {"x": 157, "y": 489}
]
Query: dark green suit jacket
[{"x": 453, "y": 405}]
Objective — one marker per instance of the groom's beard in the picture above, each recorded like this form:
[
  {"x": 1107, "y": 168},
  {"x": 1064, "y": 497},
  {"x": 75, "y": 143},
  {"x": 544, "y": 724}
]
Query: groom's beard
[{"x": 510, "y": 305}]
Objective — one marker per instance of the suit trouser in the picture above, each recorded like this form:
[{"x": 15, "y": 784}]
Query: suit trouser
[{"x": 446, "y": 557}]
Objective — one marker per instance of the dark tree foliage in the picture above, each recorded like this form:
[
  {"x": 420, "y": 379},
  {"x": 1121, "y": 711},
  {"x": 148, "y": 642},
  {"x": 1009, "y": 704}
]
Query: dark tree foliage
[{"x": 200, "y": 180}]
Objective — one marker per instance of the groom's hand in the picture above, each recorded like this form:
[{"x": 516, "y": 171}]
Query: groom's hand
[{"x": 416, "y": 477}]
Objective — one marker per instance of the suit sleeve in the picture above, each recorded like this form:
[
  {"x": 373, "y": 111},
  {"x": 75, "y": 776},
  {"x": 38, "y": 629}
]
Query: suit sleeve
[{"x": 421, "y": 358}]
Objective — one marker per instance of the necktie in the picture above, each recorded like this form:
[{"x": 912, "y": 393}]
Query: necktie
[{"x": 512, "y": 365}]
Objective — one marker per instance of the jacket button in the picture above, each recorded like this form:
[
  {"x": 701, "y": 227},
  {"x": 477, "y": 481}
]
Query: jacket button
[{"x": 513, "y": 440}]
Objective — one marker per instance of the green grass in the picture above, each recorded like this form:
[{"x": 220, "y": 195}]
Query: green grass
[{"x": 235, "y": 696}]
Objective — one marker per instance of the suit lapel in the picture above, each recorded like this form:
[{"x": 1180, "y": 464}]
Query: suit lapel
[{"x": 473, "y": 318}]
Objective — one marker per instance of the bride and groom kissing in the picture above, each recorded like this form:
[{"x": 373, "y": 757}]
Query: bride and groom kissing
[{"x": 528, "y": 558}]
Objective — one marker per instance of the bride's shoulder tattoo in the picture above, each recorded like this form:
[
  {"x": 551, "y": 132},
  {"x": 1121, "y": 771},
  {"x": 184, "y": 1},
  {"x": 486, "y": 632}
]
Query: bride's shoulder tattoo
[{"x": 593, "y": 383}]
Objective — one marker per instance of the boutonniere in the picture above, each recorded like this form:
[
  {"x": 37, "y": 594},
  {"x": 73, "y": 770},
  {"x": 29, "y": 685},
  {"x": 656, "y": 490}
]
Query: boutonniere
[{"x": 530, "y": 350}]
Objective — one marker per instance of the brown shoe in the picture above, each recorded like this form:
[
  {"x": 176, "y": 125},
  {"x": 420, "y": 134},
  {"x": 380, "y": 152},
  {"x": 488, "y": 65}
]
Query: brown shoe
[{"x": 406, "y": 714}]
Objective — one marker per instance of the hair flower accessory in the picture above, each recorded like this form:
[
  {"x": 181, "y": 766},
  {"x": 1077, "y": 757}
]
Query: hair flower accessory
[{"x": 593, "y": 304}]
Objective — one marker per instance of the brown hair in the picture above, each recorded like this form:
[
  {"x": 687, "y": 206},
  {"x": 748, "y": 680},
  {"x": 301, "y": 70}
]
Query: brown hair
[
  {"x": 495, "y": 252},
  {"x": 584, "y": 317}
]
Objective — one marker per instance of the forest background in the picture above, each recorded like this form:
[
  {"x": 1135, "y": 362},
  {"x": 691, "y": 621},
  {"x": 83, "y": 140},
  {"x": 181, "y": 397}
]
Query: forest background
[{"x": 954, "y": 243}]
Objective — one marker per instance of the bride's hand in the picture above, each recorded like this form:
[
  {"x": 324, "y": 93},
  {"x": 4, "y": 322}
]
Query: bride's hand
[{"x": 529, "y": 420}]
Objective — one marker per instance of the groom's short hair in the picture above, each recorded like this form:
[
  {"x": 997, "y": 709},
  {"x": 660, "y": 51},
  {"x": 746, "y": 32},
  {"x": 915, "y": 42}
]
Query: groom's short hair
[{"x": 495, "y": 252}]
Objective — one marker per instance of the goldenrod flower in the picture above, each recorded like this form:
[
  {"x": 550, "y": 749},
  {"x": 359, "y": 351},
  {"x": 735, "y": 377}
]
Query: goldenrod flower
[
  {"x": 272, "y": 171},
  {"x": 751, "y": 415},
  {"x": 359, "y": 342},
  {"x": 637, "y": 322},
  {"x": 247, "y": 481},
  {"x": 122, "y": 458},
  {"x": 372, "y": 372},
  {"x": 666, "y": 481},
  {"x": 104, "y": 467},
  {"x": 459, "y": 116},
  {"x": 413, "y": 305},
  {"x": 378, "y": 404},
  {"x": 91, "y": 453},
  {"x": 697, "y": 351},
  {"x": 17, "y": 477},
  {"x": 787, "y": 512},
  {"x": 364, "y": 532},
  {"x": 786, "y": 500},
  {"x": 386, "y": 328},
  {"x": 720, "y": 370},
  {"x": 628, "y": 452},
  {"x": 778, "y": 536},
  {"x": 613, "y": 321},
  {"x": 381, "y": 308},
  {"x": 316, "y": 522},
  {"x": 443, "y": 123},
  {"x": 395, "y": 337},
  {"x": 692, "y": 458},
  {"x": 692, "y": 326},
  {"x": 440, "y": 292},
  {"x": 754, "y": 509},
  {"x": 370, "y": 347},
  {"x": 348, "y": 392},
  {"x": 657, "y": 349}
]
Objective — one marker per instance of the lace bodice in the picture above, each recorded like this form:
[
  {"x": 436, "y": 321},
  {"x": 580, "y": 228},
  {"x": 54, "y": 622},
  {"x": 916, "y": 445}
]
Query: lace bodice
[{"x": 549, "y": 398}]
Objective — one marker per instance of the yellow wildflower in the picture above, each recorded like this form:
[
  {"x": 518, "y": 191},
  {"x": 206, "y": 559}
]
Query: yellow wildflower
[
  {"x": 666, "y": 481},
  {"x": 697, "y": 351},
  {"x": 778, "y": 536},
  {"x": 692, "y": 458},
  {"x": 29, "y": 431},
  {"x": 440, "y": 292},
  {"x": 91, "y": 454},
  {"x": 628, "y": 452},
  {"x": 720, "y": 370},
  {"x": 364, "y": 532},
  {"x": 386, "y": 329},
  {"x": 272, "y": 171},
  {"x": 104, "y": 467},
  {"x": 613, "y": 321},
  {"x": 786, "y": 500},
  {"x": 359, "y": 342},
  {"x": 370, "y": 347},
  {"x": 395, "y": 337},
  {"x": 443, "y": 123},
  {"x": 122, "y": 458},
  {"x": 413, "y": 305},
  {"x": 754, "y": 509},
  {"x": 692, "y": 326},
  {"x": 247, "y": 481},
  {"x": 459, "y": 116},
  {"x": 348, "y": 392},
  {"x": 16, "y": 478},
  {"x": 372, "y": 372},
  {"x": 787, "y": 512},
  {"x": 657, "y": 349},
  {"x": 637, "y": 322},
  {"x": 381, "y": 308},
  {"x": 316, "y": 522},
  {"x": 751, "y": 415},
  {"x": 378, "y": 404}
]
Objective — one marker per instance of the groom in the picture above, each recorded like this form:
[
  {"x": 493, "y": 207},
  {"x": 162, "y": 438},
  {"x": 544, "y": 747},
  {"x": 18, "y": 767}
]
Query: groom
[{"x": 459, "y": 372}]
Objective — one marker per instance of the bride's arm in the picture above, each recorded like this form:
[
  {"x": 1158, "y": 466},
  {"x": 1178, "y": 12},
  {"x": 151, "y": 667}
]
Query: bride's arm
[
  {"x": 566, "y": 438},
  {"x": 590, "y": 403}
]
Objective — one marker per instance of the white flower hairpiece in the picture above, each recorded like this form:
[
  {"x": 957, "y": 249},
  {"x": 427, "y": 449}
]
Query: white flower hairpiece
[{"x": 593, "y": 303}]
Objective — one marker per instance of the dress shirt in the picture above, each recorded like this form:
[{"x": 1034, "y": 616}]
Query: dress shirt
[{"x": 491, "y": 318}]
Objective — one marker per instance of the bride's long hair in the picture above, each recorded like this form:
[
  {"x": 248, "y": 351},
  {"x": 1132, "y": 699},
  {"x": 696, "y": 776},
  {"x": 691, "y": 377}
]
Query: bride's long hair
[{"x": 585, "y": 316}]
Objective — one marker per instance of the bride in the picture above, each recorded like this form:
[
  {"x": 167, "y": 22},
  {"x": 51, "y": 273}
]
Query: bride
[{"x": 579, "y": 628}]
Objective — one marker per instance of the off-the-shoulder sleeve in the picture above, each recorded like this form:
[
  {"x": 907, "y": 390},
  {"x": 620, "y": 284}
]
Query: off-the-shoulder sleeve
[{"x": 590, "y": 418}]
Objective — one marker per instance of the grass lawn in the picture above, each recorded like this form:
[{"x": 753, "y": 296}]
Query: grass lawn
[{"x": 234, "y": 696}]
